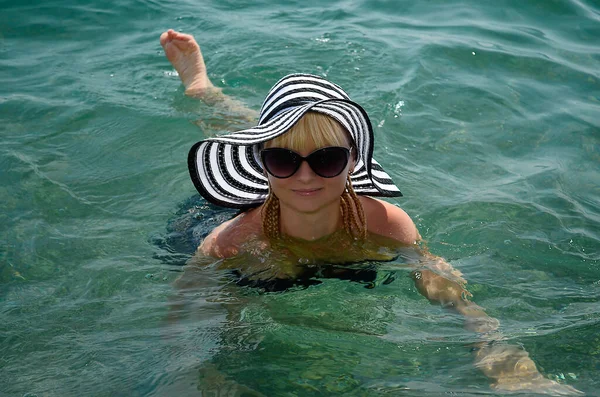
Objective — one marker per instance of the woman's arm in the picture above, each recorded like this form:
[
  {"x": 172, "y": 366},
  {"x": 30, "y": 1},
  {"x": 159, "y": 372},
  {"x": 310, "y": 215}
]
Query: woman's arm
[
  {"x": 509, "y": 366},
  {"x": 448, "y": 289}
]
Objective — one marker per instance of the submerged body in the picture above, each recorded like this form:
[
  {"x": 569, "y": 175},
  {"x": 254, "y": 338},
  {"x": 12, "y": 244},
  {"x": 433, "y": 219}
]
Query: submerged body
[{"x": 313, "y": 217}]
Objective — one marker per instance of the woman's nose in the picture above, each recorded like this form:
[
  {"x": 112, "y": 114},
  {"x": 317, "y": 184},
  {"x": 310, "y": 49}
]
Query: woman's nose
[{"x": 305, "y": 173}]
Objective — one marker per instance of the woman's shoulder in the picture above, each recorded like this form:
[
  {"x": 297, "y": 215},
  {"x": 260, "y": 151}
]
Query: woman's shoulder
[
  {"x": 227, "y": 239},
  {"x": 388, "y": 220}
]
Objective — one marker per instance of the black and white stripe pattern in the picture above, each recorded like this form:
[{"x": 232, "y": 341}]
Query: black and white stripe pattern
[{"x": 226, "y": 170}]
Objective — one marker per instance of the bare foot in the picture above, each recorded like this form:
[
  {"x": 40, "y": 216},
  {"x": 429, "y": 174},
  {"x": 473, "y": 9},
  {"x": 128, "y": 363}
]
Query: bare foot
[{"x": 184, "y": 54}]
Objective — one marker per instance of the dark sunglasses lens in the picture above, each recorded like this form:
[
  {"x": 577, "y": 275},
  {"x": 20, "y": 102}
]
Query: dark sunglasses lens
[
  {"x": 280, "y": 163},
  {"x": 329, "y": 162}
]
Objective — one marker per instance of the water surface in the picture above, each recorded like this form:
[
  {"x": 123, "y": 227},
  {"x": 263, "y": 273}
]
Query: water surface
[{"x": 486, "y": 116}]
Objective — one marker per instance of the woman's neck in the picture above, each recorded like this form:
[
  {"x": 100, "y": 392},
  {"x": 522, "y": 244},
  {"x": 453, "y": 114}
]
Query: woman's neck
[{"x": 310, "y": 226}]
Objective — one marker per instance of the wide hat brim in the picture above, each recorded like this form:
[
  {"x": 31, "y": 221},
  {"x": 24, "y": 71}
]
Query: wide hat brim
[{"x": 226, "y": 169}]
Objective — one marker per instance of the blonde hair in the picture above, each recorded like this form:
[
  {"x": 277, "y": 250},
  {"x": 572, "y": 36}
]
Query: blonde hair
[
  {"x": 315, "y": 128},
  {"x": 320, "y": 130}
]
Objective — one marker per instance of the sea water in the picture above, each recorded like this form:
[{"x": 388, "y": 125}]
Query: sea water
[{"x": 485, "y": 114}]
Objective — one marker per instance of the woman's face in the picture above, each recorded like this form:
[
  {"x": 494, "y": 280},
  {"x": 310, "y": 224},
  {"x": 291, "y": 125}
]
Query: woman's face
[{"x": 307, "y": 192}]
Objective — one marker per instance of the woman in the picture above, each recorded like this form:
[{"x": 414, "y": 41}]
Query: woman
[
  {"x": 305, "y": 178},
  {"x": 301, "y": 167},
  {"x": 301, "y": 116}
]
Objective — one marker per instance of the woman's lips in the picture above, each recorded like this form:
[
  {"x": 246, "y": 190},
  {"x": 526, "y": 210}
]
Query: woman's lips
[{"x": 306, "y": 192}]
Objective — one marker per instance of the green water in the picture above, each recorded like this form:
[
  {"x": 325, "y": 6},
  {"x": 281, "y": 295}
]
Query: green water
[{"x": 485, "y": 114}]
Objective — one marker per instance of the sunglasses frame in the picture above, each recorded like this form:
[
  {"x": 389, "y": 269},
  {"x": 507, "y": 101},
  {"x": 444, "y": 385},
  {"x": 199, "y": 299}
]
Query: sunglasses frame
[{"x": 302, "y": 159}]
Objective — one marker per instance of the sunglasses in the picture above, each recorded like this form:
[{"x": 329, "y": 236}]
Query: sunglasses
[{"x": 327, "y": 162}]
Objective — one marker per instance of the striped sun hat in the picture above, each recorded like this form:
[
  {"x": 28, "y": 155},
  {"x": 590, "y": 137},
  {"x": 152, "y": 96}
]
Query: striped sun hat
[{"x": 226, "y": 169}]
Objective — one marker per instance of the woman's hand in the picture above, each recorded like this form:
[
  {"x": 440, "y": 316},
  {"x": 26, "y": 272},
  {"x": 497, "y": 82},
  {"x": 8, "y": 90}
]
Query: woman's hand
[
  {"x": 512, "y": 370},
  {"x": 508, "y": 366}
]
